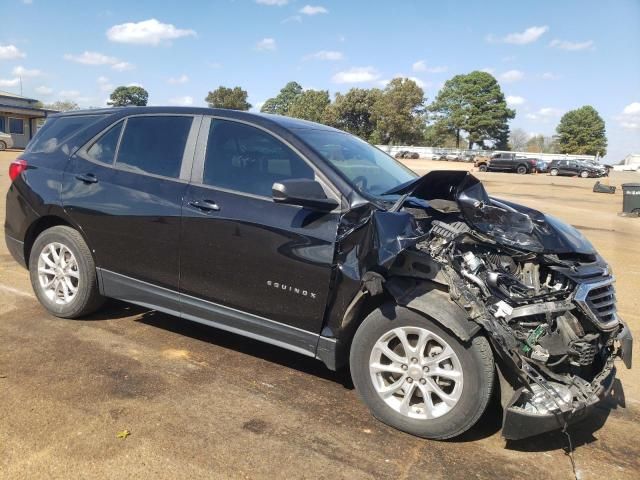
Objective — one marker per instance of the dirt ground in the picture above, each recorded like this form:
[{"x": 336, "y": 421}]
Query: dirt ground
[{"x": 202, "y": 403}]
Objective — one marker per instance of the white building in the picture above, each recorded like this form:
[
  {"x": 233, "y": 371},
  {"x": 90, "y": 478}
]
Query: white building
[
  {"x": 630, "y": 162},
  {"x": 20, "y": 117}
]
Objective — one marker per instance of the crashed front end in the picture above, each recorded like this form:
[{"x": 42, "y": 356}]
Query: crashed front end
[{"x": 535, "y": 285}]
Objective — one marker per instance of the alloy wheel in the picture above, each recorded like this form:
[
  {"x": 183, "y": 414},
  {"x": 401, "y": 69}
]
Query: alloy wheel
[
  {"x": 416, "y": 373},
  {"x": 58, "y": 273}
]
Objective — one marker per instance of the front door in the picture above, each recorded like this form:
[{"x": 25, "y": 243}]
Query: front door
[
  {"x": 125, "y": 190},
  {"x": 243, "y": 252}
]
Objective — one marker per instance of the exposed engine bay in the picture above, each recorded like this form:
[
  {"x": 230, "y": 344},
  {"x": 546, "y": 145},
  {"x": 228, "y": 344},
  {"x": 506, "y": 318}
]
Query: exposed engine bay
[{"x": 536, "y": 286}]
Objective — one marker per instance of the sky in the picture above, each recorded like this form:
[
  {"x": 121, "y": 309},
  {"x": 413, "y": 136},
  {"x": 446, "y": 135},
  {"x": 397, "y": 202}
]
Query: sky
[{"x": 549, "y": 56}]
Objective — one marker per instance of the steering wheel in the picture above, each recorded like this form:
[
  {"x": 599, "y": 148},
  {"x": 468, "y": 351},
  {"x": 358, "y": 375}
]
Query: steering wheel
[{"x": 360, "y": 182}]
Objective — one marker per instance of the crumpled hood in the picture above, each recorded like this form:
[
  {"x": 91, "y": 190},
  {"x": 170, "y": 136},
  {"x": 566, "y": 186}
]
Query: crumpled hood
[{"x": 506, "y": 222}]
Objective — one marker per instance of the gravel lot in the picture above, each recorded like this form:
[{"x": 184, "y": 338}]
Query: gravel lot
[{"x": 202, "y": 403}]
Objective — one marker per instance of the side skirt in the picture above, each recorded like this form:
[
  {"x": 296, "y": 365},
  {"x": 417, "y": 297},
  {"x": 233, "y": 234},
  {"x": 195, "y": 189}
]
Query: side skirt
[{"x": 115, "y": 285}]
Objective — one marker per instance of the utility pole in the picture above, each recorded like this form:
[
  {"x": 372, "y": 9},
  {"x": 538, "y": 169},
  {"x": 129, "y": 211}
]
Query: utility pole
[{"x": 20, "y": 85}]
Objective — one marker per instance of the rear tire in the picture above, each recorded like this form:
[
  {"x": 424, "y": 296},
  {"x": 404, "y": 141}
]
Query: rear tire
[
  {"x": 3, "y": 145},
  {"x": 466, "y": 382},
  {"x": 553, "y": 172},
  {"x": 522, "y": 170},
  {"x": 584, "y": 174},
  {"x": 482, "y": 168},
  {"x": 63, "y": 273}
]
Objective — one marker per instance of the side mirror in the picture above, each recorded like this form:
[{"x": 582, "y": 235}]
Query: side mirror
[{"x": 302, "y": 192}]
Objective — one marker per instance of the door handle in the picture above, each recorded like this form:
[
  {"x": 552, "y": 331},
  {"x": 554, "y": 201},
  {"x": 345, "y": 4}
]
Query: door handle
[
  {"x": 87, "y": 178},
  {"x": 205, "y": 205}
]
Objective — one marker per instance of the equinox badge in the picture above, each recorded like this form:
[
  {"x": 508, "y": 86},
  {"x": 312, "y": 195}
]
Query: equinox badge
[{"x": 289, "y": 288}]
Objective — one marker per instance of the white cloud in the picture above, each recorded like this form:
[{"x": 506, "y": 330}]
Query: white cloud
[
  {"x": 104, "y": 84},
  {"x": 181, "y": 101},
  {"x": 96, "y": 58},
  {"x": 630, "y": 117},
  {"x": 266, "y": 44},
  {"x": 147, "y": 32},
  {"x": 515, "y": 100},
  {"x": 632, "y": 109},
  {"x": 91, "y": 58},
  {"x": 421, "y": 66},
  {"x": 135, "y": 84},
  {"x": 325, "y": 55},
  {"x": 488, "y": 70},
  {"x": 544, "y": 114},
  {"x": 313, "y": 10},
  {"x": 571, "y": 46},
  {"x": 272, "y": 3},
  {"x": 10, "y": 52},
  {"x": 9, "y": 82},
  {"x": 20, "y": 71},
  {"x": 178, "y": 80},
  {"x": 122, "y": 66},
  {"x": 530, "y": 35},
  {"x": 511, "y": 76},
  {"x": 44, "y": 90},
  {"x": 418, "y": 82},
  {"x": 356, "y": 75},
  {"x": 293, "y": 18},
  {"x": 549, "y": 76}
]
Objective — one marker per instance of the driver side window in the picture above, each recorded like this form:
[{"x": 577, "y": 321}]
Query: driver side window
[{"x": 246, "y": 159}]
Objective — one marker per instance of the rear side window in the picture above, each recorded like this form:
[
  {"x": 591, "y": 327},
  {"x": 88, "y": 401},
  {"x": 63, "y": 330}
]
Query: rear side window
[
  {"x": 246, "y": 159},
  {"x": 154, "y": 144},
  {"x": 57, "y": 130},
  {"x": 104, "y": 149}
]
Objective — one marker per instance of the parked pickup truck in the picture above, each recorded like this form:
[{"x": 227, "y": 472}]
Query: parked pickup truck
[
  {"x": 435, "y": 294},
  {"x": 510, "y": 162}
]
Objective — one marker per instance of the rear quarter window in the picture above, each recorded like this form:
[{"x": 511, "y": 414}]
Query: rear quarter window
[{"x": 57, "y": 130}]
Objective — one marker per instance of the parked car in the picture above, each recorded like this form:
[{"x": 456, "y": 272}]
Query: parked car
[
  {"x": 451, "y": 157},
  {"x": 542, "y": 166},
  {"x": 510, "y": 162},
  {"x": 573, "y": 168},
  {"x": 407, "y": 154},
  {"x": 310, "y": 239},
  {"x": 5, "y": 141},
  {"x": 467, "y": 157}
]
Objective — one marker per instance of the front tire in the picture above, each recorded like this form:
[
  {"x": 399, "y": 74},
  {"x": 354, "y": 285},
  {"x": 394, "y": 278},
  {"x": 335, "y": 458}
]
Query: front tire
[
  {"x": 553, "y": 172},
  {"x": 63, "y": 273},
  {"x": 417, "y": 377},
  {"x": 522, "y": 170},
  {"x": 483, "y": 168}
]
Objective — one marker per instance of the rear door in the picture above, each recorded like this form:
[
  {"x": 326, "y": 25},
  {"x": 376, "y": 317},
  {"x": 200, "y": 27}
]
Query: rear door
[
  {"x": 241, "y": 250},
  {"x": 125, "y": 189}
]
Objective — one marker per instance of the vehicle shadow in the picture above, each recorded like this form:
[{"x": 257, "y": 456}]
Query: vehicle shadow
[
  {"x": 243, "y": 345},
  {"x": 581, "y": 433}
]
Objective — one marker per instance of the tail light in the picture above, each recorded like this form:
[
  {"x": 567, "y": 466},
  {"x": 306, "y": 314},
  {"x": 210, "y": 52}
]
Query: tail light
[{"x": 16, "y": 168}]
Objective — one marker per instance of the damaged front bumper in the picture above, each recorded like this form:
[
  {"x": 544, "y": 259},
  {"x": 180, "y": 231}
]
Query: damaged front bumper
[{"x": 519, "y": 423}]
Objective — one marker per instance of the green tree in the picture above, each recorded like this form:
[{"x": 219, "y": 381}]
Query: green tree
[
  {"x": 62, "y": 106},
  {"x": 352, "y": 111},
  {"x": 310, "y": 105},
  {"x": 128, "y": 96},
  {"x": 398, "y": 113},
  {"x": 231, "y": 98},
  {"x": 281, "y": 103},
  {"x": 582, "y": 132},
  {"x": 473, "y": 103}
]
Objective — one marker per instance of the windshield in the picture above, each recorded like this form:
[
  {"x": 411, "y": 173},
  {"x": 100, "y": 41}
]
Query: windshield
[{"x": 366, "y": 168}]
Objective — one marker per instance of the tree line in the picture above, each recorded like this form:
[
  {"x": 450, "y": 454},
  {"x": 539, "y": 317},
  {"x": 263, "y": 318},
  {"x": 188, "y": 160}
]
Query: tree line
[{"x": 469, "y": 111}]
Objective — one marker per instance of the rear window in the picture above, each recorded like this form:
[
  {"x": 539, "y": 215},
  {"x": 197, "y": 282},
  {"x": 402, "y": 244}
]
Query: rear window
[
  {"x": 154, "y": 144},
  {"x": 57, "y": 130}
]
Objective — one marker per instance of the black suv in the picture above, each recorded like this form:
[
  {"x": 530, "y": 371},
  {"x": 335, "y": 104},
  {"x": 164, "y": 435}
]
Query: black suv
[
  {"x": 510, "y": 162},
  {"x": 574, "y": 168},
  {"x": 310, "y": 239}
]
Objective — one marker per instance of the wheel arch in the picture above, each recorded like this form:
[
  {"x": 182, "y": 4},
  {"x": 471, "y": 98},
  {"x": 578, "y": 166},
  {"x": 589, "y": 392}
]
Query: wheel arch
[{"x": 44, "y": 223}]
